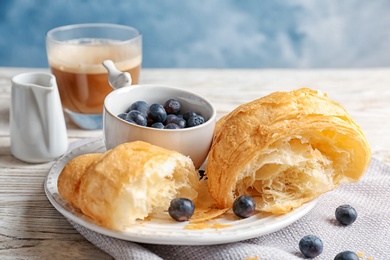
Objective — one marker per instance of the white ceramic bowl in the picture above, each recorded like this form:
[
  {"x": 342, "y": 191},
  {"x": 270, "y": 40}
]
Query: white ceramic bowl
[{"x": 194, "y": 142}]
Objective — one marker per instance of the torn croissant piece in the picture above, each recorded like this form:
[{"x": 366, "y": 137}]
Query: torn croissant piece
[
  {"x": 285, "y": 149},
  {"x": 127, "y": 183},
  {"x": 69, "y": 179}
]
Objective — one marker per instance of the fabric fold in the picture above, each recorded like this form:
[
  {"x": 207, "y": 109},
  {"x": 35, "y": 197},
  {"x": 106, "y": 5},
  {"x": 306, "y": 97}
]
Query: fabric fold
[{"x": 367, "y": 236}]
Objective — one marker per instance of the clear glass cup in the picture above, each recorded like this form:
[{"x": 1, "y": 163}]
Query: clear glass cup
[{"x": 75, "y": 54}]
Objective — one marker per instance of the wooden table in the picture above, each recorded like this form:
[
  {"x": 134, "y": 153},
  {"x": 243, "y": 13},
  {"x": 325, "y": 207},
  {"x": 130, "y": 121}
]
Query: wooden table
[{"x": 30, "y": 227}]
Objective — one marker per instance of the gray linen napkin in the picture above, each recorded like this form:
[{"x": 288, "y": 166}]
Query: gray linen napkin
[{"x": 370, "y": 233}]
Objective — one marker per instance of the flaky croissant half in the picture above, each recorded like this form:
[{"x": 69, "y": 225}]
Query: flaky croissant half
[
  {"x": 127, "y": 183},
  {"x": 285, "y": 149}
]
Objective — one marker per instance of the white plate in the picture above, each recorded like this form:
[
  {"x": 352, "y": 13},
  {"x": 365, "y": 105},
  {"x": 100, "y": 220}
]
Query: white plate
[{"x": 161, "y": 229}]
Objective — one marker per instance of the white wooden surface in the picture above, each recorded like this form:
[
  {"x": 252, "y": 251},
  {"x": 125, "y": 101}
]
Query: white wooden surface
[{"x": 30, "y": 228}]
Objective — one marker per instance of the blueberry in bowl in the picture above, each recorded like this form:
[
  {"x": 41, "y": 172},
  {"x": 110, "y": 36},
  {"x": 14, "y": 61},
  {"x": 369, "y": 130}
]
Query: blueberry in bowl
[
  {"x": 161, "y": 116},
  {"x": 176, "y": 119}
]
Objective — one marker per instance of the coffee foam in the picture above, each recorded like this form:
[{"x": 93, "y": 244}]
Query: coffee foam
[{"x": 88, "y": 58}]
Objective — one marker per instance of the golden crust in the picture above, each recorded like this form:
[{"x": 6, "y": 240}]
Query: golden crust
[
  {"x": 301, "y": 133},
  {"x": 69, "y": 179},
  {"x": 128, "y": 182}
]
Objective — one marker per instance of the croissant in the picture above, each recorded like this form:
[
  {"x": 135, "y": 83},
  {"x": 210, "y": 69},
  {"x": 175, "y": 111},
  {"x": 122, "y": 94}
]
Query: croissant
[
  {"x": 127, "y": 183},
  {"x": 69, "y": 180},
  {"x": 285, "y": 149}
]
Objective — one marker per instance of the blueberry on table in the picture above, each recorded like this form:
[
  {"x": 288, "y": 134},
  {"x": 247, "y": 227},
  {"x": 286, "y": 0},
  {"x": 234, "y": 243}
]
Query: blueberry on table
[
  {"x": 172, "y": 106},
  {"x": 346, "y": 214},
  {"x": 137, "y": 117},
  {"x": 311, "y": 246},
  {"x": 181, "y": 209},
  {"x": 195, "y": 120},
  {"x": 157, "y": 113},
  {"x": 189, "y": 114},
  {"x": 244, "y": 206},
  {"x": 141, "y": 106},
  {"x": 346, "y": 255}
]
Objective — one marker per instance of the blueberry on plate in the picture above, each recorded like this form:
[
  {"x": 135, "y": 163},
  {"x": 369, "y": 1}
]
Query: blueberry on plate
[
  {"x": 346, "y": 214},
  {"x": 172, "y": 106},
  {"x": 195, "y": 120},
  {"x": 244, "y": 206},
  {"x": 311, "y": 246},
  {"x": 137, "y": 117},
  {"x": 157, "y": 113},
  {"x": 181, "y": 209},
  {"x": 346, "y": 255}
]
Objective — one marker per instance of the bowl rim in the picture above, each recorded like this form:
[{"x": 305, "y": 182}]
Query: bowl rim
[{"x": 211, "y": 120}]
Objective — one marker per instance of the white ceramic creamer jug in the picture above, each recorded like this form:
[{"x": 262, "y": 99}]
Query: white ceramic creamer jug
[{"x": 37, "y": 124}]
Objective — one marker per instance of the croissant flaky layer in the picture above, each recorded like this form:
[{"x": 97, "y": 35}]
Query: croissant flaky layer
[
  {"x": 285, "y": 149},
  {"x": 127, "y": 183}
]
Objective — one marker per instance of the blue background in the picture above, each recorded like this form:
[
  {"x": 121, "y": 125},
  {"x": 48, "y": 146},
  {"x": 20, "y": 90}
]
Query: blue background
[{"x": 213, "y": 33}]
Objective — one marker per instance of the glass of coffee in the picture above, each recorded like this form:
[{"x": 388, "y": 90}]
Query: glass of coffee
[{"x": 75, "y": 55}]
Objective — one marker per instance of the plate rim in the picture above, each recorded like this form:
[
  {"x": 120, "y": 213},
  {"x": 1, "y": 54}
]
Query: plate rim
[{"x": 207, "y": 236}]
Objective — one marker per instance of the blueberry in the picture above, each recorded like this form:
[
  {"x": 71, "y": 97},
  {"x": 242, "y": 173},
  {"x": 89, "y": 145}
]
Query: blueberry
[
  {"x": 244, "y": 206},
  {"x": 181, "y": 122},
  {"x": 172, "y": 118},
  {"x": 158, "y": 125},
  {"x": 157, "y": 113},
  {"x": 346, "y": 255},
  {"x": 181, "y": 209},
  {"x": 346, "y": 214},
  {"x": 189, "y": 114},
  {"x": 311, "y": 246},
  {"x": 195, "y": 120},
  {"x": 131, "y": 121},
  {"x": 141, "y": 106},
  {"x": 137, "y": 117},
  {"x": 172, "y": 106},
  {"x": 150, "y": 121},
  {"x": 122, "y": 116},
  {"x": 172, "y": 126}
]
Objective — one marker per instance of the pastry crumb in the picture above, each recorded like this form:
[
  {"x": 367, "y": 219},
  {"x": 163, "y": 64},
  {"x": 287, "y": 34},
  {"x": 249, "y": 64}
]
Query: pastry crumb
[
  {"x": 200, "y": 226},
  {"x": 252, "y": 258}
]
